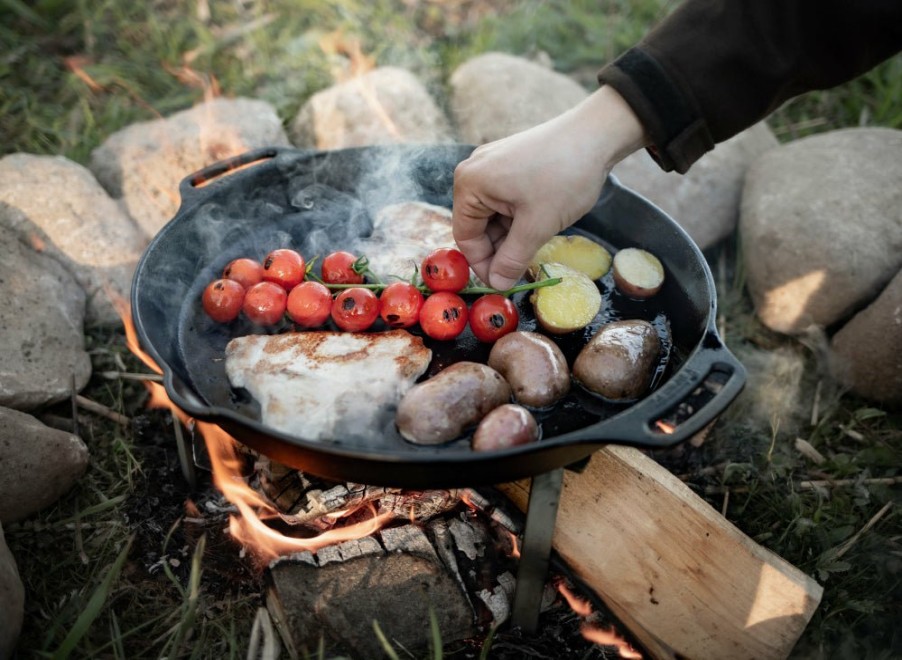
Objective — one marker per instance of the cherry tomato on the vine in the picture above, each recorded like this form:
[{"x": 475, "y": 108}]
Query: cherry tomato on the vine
[
  {"x": 492, "y": 316},
  {"x": 247, "y": 272},
  {"x": 355, "y": 309},
  {"x": 443, "y": 315},
  {"x": 264, "y": 303},
  {"x": 338, "y": 268},
  {"x": 222, "y": 300},
  {"x": 284, "y": 267},
  {"x": 309, "y": 304},
  {"x": 445, "y": 269},
  {"x": 399, "y": 304}
]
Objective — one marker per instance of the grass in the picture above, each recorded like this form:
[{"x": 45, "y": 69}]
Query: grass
[{"x": 116, "y": 568}]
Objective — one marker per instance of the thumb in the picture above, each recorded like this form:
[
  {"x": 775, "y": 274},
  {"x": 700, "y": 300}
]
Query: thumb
[{"x": 513, "y": 254}]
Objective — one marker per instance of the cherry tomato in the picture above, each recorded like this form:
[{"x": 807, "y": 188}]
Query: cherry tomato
[
  {"x": 338, "y": 268},
  {"x": 445, "y": 269},
  {"x": 247, "y": 272},
  {"x": 222, "y": 300},
  {"x": 284, "y": 267},
  {"x": 492, "y": 316},
  {"x": 355, "y": 309},
  {"x": 264, "y": 303},
  {"x": 309, "y": 304},
  {"x": 399, "y": 304},
  {"x": 443, "y": 315}
]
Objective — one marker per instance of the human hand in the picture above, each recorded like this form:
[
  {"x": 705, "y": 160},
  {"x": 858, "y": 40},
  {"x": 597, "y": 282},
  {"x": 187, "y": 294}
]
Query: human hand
[{"x": 512, "y": 195}]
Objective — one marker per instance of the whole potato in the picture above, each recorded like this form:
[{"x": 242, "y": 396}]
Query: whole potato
[
  {"x": 533, "y": 365},
  {"x": 506, "y": 426},
  {"x": 619, "y": 361},
  {"x": 439, "y": 409}
]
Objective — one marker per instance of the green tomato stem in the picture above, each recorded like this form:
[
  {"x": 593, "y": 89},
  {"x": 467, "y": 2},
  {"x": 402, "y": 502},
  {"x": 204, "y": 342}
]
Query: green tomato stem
[{"x": 470, "y": 290}]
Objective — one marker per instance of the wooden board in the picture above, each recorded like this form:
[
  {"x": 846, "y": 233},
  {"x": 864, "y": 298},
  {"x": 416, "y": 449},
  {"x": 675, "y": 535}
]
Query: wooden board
[{"x": 671, "y": 568}]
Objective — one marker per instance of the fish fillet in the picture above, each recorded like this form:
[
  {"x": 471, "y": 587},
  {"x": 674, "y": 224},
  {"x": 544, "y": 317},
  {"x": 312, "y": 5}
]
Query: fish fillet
[{"x": 328, "y": 385}]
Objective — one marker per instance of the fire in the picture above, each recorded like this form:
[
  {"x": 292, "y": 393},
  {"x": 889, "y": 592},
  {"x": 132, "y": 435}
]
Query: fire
[
  {"x": 248, "y": 527},
  {"x": 593, "y": 633}
]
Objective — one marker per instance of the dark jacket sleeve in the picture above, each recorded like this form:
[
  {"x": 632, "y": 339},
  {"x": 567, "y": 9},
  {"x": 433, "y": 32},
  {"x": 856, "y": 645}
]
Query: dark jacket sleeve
[{"x": 715, "y": 67}]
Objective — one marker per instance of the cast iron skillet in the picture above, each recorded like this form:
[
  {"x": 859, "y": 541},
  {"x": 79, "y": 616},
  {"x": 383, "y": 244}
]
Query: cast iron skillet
[{"x": 320, "y": 201}]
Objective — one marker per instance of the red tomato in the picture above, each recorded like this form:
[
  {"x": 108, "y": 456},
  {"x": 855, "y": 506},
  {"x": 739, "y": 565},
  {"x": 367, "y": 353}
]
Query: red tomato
[
  {"x": 338, "y": 268},
  {"x": 264, "y": 303},
  {"x": 445, "y": 269},
  {"x": 246, "y": 272},
  {"x": 309, "y": 304},
  {"x": 443, "y": 315},
  {"x": 284, "y": 267},
  {"x": 400, "y": 304},
  {"x": 222, "y": 300},
  {"x": 355, "y": 309},
  {"x": 492, "y": 316}
]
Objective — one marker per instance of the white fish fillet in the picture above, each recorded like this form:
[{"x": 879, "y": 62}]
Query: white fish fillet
[{"x": 328, "y": 385}]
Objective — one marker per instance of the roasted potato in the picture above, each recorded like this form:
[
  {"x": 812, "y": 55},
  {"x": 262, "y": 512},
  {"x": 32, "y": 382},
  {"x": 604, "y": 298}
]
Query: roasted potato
[
  {"x": 619, "y": 361},
  {"x": 578, "y": 252},
  {"x": 533, "y": 365},
  {"x": 441, "y": 408},
  {"x": 506, "y": 426},
  {"x": 637, "y": 273},
  {"x": 569, "y": 305}
]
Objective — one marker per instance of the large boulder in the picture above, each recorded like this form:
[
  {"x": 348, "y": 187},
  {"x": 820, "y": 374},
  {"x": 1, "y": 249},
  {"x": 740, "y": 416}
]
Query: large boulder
[
  {"x": 866, "y": 353},
  {"x": 12, "y": 595},
  {"x": 60, "y": 209},
  {"x": 821, "y": 226},
  {"x": 495, "y": 95},
  {"x": 38, "y": 464},
  {"x": 384, "y": 106},
  {"x": 42, "y": 311},
  {"x": 705, "y": 200},
  {"x": 144, "y": 163}
]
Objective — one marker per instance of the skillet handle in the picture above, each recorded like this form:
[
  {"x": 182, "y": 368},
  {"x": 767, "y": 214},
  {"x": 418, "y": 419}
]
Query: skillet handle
[
  {"x": 703, "y": 387},
  {"x": 190, "y": 186}
]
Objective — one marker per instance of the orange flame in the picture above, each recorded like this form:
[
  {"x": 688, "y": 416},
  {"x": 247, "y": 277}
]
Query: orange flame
[
  {"x": 248, "y": 527},
  {"x": 665, "y": 427},
  {"x": 593, "y": 633}
]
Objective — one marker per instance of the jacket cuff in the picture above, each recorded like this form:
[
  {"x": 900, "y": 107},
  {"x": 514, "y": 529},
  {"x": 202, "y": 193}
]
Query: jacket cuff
[{"x": 679, "y": 134}]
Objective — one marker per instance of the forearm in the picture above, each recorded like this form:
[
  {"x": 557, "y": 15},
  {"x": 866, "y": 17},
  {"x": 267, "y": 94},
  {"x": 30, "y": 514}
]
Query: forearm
[{"x": 715, "y": 67}]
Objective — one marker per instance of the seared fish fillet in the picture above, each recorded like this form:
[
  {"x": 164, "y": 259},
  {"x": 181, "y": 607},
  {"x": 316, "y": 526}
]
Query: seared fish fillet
[
  {"x": 328, "y": 385},
  {"x": 403, "y": 234}
]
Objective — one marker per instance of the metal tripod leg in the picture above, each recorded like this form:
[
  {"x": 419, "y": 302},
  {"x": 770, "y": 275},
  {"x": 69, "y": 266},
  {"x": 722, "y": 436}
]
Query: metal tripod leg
[{"x": 535, "y": 553}]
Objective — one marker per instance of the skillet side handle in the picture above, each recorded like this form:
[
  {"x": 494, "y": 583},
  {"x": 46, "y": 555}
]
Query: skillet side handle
[
  {"x": 190, "y": 185},
  {"x": 703, "y": 388}
]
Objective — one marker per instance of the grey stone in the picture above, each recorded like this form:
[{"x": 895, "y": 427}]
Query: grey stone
[
  {"x": 705, "y": 200},
  {"x": 58, "y": 207},
  {"x": 144, "y": 163},
  {"x": 339, "y": 603},
  {"x": 821, "y": 226},
  {"x": 387, "y": 105},
  {"x": 866, "y": 353},
  {"x": 38, "y": 464},
  {"x": 41, "y": 327},
  {"x": 12, "y": 596},
  {"x": 495, "y": 95}
]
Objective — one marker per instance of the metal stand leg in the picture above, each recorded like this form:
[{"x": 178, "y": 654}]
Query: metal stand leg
[{"x": 544, "y": 495}]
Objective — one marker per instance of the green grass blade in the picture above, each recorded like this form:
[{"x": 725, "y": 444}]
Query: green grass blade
[
  {"x": 389, "y": 651},
  {"x": 94, "y": 607},
  {"x": 436, "y": 635}
]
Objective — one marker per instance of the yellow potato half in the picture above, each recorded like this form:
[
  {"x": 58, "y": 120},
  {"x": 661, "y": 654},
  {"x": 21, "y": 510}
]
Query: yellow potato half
[
  {"x": 569, "y": 305},
  {"x": 577, "y": 252}
]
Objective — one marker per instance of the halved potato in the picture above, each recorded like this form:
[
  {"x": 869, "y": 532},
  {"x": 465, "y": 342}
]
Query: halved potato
[
  {"x": 638, "y": 273},
  {"x": 577, "y": 252},
  {"x": 569, "y": 305}
]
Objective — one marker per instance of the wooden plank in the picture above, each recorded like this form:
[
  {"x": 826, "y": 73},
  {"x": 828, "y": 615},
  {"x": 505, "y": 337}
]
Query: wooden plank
[{"x": 674, "y": 571}]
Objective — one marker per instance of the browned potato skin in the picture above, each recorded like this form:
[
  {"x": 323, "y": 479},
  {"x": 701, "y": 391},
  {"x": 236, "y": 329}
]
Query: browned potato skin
[
  {"x": 619, "y": 361},
  {"x": 439, "y": 409},
  {"x": 506, "y": 426},
  {"x": 533, "y": 365}
]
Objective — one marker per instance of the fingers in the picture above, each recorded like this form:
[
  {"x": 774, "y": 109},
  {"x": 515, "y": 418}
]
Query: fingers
[{"x": 515, "y": 251}]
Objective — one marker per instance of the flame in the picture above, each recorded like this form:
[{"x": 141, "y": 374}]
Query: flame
[
  {"x": 356, "y": 63},
  {"x": 665, "y": 427},
  {"x": 515, "y": 545},
  {"x": 247, "y": 527},
  {"x": 592, "y": 633}
]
